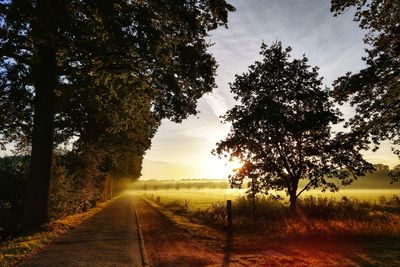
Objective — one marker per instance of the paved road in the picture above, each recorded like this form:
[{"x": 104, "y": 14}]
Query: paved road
[{"x": 109, "y": 238}]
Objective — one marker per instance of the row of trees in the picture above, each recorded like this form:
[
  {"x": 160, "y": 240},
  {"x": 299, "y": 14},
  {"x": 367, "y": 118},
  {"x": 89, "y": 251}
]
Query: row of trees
[
  {"x": 282, "y": 127},
  {"x": 99, "y": 76}
]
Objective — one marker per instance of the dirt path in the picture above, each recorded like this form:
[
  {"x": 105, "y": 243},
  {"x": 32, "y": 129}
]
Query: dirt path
[{"x": 109, "y": 238}]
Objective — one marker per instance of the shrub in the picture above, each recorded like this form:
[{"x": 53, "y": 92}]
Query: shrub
[
  {"x": 13, "y": 176},
  {"x": 215, "y": 215},
  {"x": 328, "y": 209}
]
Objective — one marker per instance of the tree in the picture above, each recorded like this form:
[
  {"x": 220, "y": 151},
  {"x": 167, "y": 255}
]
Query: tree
[
  {"x": 381, "y": 167},
  {"x": 395, "y": 173},
  {"x": 56, "y": 51},
  {"x": 374, "y": 90},
  {"x": 281, "y": 129}
]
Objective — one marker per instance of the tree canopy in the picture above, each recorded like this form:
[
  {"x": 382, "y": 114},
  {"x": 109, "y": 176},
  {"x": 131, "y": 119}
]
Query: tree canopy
[
  {"x": 375, "y": 90},
  {"x": 281, "y": 128},
  {"x": 157, "y": 49}
]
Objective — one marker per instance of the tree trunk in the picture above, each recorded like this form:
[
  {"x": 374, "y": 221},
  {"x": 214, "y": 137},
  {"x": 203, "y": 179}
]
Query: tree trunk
[
  {"x": 293, "y": 203},
  {"x": 254, "y": 206},
  {"x": 45, "y": 81}
]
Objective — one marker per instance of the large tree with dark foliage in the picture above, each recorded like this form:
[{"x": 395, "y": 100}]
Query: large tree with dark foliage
[
  {"x": 57, "y": 55},
  {"x": 281, "y": 129},
  {"x": 375, "y": 90}
]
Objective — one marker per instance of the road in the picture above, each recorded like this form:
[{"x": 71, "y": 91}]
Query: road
[{"x": 109, "y": 238}]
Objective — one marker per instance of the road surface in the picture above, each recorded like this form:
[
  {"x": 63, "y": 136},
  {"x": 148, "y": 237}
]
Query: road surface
[{"x": 109, "y": 238}]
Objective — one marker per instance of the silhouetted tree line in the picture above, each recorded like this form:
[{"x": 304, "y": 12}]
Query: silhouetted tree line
[
  {"x": 178, "y": 185},
  {"x": 97, "y": 77}
]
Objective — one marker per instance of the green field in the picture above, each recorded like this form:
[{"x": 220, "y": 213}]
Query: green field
[{"x": 203, "y": 198}]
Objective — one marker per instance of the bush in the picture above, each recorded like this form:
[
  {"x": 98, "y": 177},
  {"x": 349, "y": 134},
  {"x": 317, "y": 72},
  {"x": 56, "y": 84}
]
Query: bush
[
  {"x": 268, "y": 210},
  {"x": 13, "y": 176},
  {"x": 74, "y": 187},
  {"x": 179, "y": 207},
  {"x": 391, "y": 202},
  {"x": 215, "y": 215},
  {"x": 324, "y": 208}
]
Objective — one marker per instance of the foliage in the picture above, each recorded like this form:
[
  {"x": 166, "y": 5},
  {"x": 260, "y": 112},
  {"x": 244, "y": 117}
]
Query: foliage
[
  {"x": 374, "y": 90},
  {"x": 107, "y": 52},
  {"x": 74, "y": 188},
  {"x": 138, "y": 60},
  {"x": 281, "y": 129},
  {"x": 12, "y": 186},
  {"x": 395, "y": 174}
]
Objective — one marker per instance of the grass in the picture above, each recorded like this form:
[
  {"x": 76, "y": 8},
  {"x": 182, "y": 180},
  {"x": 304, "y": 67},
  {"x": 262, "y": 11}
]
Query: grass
[
  {"x": 17, "y": 249},
  {"x": 199, "y": 198},
  {"x": 204, "y": 198},
  {"x": 180, "y": 219},
  {"x": 348, "y": 216}
]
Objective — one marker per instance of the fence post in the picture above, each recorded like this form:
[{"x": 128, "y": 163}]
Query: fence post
[{"x": 229, "y": 214}]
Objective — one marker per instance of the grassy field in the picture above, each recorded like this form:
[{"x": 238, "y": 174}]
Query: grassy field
[
  {"x": 204, "y": 192},
  {"x": 362, "y": 211},
  {"x": 203, "y": 198}
]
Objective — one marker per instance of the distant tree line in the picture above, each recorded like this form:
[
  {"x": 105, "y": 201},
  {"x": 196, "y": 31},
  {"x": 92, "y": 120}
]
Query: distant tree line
[{"x": 179, "y": 185}]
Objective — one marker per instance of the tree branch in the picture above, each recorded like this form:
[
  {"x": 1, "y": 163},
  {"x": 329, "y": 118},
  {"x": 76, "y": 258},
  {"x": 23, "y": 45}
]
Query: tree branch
[{"x": 308, "y": 185}]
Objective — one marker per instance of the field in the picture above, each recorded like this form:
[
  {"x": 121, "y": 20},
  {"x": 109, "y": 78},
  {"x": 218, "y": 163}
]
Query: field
[
  {"x": 203, "y": 193},
  {"x": 204, "y": 198},
  {"x": 364, "y": 212}
]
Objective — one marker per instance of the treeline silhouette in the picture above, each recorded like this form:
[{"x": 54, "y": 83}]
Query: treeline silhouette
[
  {"x": 378, "y": 179},
  {"x": 178, "y": 185}
]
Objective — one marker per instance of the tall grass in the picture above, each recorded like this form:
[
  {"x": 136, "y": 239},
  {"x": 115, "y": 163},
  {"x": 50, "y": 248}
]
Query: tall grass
[{"x": 316, "y": 215}]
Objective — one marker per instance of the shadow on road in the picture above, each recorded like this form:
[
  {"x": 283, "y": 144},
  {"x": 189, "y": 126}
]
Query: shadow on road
[{"x": 228, "y": 248}]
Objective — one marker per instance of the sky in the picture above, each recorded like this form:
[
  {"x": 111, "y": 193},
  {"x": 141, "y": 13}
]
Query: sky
[{"x": 332, "y": 43}]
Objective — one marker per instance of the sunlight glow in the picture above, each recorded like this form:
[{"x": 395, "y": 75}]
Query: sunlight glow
[{"x": 223, "y": 168}]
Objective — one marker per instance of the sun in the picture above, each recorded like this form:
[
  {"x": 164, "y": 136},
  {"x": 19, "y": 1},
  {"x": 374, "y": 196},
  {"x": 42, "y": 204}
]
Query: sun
[{"x": 222, "y": 168}]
